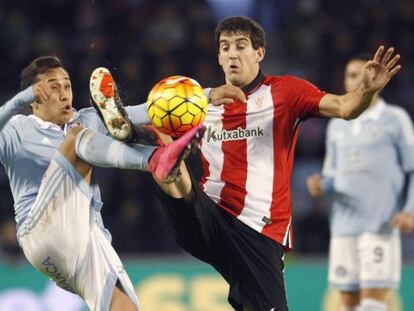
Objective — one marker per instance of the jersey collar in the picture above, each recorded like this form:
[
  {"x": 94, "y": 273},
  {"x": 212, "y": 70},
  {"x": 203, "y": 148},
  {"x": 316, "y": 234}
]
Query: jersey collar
[
  {"x": 374, "y": 112},
  {"x": 45, "y": 125},
  {"x": 252, "y": 86}
]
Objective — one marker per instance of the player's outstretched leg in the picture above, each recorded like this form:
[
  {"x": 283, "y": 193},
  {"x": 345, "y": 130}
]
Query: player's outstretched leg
[
  {"x": 106, "y": 100},
  {"x": 163, "y": 161}
]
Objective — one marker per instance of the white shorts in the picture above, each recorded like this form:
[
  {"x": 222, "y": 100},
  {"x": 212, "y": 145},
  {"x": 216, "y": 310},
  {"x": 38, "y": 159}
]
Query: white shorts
[
  {"x": 365, "y": 261},
  {"x": 62, "y": 239}
]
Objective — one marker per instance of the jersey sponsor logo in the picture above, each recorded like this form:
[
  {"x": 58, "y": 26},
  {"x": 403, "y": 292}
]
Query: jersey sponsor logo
[
  {"x": 267, "y": 220},
  {"x": 214, "y": 134}
]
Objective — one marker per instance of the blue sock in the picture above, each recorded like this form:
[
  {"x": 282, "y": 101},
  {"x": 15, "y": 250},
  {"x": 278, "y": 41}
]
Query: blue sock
[{"x": 103, "y": 151}]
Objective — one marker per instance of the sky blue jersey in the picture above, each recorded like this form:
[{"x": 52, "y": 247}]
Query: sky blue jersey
[
  {"x": 27, "y": 145},
  {"x": 366, "y": 163}
]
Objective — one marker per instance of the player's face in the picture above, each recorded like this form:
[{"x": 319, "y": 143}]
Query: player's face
[
  {"x": 239, "y": 60},
  {"x": 58, "y": 107},
  {"x": 352, "y": 76}
]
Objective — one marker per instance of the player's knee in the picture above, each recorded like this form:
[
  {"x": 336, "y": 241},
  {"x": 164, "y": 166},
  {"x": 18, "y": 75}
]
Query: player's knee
[
  {"x": 379, "y": 294},
  {"x": 68, "y": 144},
  {"x": 73, "y": 134},
  {"x": 68, "y": 150},
  {"x": 120, "y": 300},
  {"x": 75, "y": 130},
  {"x": 349, "y": 298}
]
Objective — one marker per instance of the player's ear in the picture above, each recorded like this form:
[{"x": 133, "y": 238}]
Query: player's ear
[{"x": 260, "y": 54}]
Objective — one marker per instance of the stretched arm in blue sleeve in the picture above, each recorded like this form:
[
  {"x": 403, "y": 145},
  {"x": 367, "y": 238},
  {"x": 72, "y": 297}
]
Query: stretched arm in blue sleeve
[{"x": 22, "y": 99}]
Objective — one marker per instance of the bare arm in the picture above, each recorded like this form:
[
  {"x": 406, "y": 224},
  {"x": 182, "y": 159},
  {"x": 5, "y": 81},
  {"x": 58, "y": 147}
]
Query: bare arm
[{"x": 376, "y": 74}]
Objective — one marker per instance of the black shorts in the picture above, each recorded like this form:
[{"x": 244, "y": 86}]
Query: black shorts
[{"x": 249, "y": 261}]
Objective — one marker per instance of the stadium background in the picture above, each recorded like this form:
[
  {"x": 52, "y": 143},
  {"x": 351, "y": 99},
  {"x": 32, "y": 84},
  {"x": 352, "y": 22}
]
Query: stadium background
[{"x": 142, "y": 41}]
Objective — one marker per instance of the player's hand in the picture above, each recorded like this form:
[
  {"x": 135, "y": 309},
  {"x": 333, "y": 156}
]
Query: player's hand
[
  {"x": 41, "y": 91},
  {"x": 377, "y": 72},
  {"x": 314, "y": 184},
  {"x": 226, "y": 94},
  {"x": 403, "y": 221}
]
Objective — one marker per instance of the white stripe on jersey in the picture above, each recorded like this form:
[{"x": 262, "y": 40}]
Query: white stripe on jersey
[
  {"x": 259, "y": 183},
  {"x": 214, "y": 184},
  {"x": 287, "y": 235}
]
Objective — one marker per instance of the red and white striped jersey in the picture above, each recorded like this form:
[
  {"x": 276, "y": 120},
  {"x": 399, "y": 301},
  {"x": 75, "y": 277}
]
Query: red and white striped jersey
[{"x": 247, "y": 152}]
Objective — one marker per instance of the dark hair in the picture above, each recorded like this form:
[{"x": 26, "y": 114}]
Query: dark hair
[
  {"x": 241, "y": 25},
  {"x": 364, "y": 56},
  {"x": 38, "y": 66}
]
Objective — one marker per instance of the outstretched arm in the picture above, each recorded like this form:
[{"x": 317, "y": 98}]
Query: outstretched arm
[
  {"x": 21, "y": 100},
  {"x": 376, "y": 74},
  {"x": 224, "y": 94},
  {"x": 220, "y": 95}
]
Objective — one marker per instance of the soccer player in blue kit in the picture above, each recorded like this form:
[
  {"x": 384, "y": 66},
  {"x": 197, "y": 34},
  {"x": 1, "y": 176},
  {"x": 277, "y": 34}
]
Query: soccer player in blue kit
[
  {"x": 365, "y": 165},
  {"x": 57, "y": 201}
]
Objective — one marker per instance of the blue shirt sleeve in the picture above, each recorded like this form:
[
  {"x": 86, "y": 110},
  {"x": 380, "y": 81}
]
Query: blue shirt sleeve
[
  {"x": 329, "y": 163},
  {"x": 9, "y": 137},
  {"x": 405, "y": 140},
  {"x": 405, "y": 147},
  {"x": 15, "y": 105},
  {"x": 88, "y": 117},
  {"x": 409, "y": 202},
  {"x": 207, "y": 92}
]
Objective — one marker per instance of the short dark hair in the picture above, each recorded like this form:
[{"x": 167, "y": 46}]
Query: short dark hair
[
  {"x": 241, "y": 25},
  {"x": 38, "y": 66},
  {"x": 363, "y": 56}
]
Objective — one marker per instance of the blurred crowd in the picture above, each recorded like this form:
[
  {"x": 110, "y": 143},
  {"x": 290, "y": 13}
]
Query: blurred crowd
[{"x": 142, "y": 41}]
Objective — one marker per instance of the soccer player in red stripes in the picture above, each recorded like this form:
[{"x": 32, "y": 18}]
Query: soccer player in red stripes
[{"x": 239, "y": 218}]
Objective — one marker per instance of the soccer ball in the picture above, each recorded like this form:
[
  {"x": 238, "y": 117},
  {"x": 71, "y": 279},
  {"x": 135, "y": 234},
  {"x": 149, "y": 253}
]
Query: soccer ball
[{"x": 176, "y": 104}]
